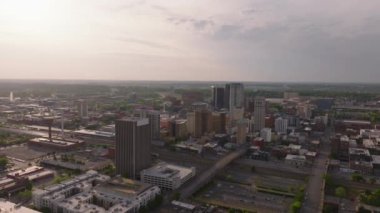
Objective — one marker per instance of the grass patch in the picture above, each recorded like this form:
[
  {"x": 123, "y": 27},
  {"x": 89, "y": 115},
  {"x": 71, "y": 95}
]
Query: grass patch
[{"x": 275, "y": 192}]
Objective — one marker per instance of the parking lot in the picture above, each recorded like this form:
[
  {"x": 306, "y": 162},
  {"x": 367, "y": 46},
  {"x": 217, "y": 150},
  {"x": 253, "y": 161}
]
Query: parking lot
[
  {"x": 22, "y": 152},
  {"x": 233, "y": 195}
]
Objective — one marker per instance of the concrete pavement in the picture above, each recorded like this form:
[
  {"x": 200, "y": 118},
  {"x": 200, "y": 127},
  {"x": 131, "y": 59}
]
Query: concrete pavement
[{"x": 314, "y": 191}]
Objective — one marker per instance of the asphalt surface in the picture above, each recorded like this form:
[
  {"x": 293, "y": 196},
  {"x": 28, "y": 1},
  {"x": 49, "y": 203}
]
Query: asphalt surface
[{"x": 314, "y": 192}]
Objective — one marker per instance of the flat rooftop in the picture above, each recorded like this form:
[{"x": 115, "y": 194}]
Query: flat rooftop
[
  {"x": 123, "y": 187},
  {"x": 26, "y": 171},
  {"x": 95, "y": 133},
  {"x": 295, "y": 157},
  {"x": 165, "y": 170},
  {"x": 56, "y": 142},
  {"x": 359, "y": 151},
  {"x": 9, "y": 207},
  {"x": 139, "y": 121}
]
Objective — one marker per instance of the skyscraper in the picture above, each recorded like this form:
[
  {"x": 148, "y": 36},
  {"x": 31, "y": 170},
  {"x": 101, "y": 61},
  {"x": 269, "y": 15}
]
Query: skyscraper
[
  {"x": 203, "y": 122},
  {"x": 241, "y": 134},
  {"x": 82, "y": 108},
  {"x": 217, "y": 97},
  {"x": 281, "y": 125},
  {"x": 234, "y": 96},
  {"x": 133, "y": 137},
  {"x": 259, "y": 114},
  {"x": 154, "y": 121},
  {"x": 11, "y": 99}
]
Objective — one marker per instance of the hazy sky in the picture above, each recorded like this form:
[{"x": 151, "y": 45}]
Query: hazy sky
[{"x": 237, "y": 40}]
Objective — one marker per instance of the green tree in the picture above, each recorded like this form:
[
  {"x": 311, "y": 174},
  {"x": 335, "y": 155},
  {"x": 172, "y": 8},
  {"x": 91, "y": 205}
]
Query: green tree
[
  {"x": 296, "y": 206},
  {"x": 25, "y": 195},
  {"x": 372, "y": 180},
  {"x": 340, "y": 192},
  {"x": 357, "y": 177},
  {"x": 3, "y": 162},
  {"x": 176, "y": 196},
  {"x": 29, "y": 185},
  {"x": 143, "y": 209}
]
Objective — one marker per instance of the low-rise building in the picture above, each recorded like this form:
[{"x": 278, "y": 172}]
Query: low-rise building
[
  {"x": 360, "y": 160},
  {"x": 33, "y": 173},
  {"x": 167, "y": 176},
  {"x": 93, "y": 192},
  {"x": 295, "y": 160},
  {"x": 56, "y": 144},
  {"x": 9, "y": 207}
]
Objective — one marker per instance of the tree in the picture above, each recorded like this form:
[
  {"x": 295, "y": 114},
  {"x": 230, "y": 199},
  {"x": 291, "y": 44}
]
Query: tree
[
  {"x": 340, "y": 192},
  {"x": 357, "y": 177},
  {"x": 372, "y": 180},
  {"x": 29, "y": 185},
  {"x": 25, "y": 195},
  {"x": 143, "y": 209},
  {"x": 176, "y": 196},
  {"x": 3, "y": 162},
  {"x": 296, "y": 206}
]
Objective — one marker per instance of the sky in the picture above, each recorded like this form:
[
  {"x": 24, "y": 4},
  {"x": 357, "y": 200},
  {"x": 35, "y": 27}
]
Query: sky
[{"x": 207, "y": 40}]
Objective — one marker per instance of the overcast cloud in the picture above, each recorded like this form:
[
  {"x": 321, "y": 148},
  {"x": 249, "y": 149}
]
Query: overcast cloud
[{"x": 240, "y": 40}]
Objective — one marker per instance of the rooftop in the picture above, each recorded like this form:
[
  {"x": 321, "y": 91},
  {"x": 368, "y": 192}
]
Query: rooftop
[
  {"x": 26, "y": 171},
  {"x": 9, "y": 207},
  {"x": 165, "y": 170},
  {"x": 359, "y": 151},
  {"x": 295, "y": 157}
]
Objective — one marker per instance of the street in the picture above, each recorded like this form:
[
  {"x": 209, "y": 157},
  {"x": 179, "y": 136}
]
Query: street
[{"x": 313, "y": 191}]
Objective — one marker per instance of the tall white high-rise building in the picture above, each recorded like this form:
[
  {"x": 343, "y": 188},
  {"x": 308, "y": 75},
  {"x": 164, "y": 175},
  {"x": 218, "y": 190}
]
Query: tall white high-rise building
[
  {"x": 266, "y": 134},
  {"x": 234, "y": 96},
  {"x": 11, "y": 98},
  {"x": 259, "y": 114},
  {"x": 82, "y": 108},
  {"x": 281, "y": 125}
]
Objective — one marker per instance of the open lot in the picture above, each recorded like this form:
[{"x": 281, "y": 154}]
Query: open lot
[
  {"x": 238, "y": 196},
  {"x": 236, "y": 187},
  {"x": 23, "y": 152}
]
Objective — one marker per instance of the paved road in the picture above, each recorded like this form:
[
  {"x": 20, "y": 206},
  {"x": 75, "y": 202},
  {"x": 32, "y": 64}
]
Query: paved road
[
  {"x": 315, "y": 184},
  {"x": 206, "y": 176}
]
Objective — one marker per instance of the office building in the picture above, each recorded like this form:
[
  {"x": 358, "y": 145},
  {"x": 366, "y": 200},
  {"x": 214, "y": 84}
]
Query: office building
[
  {"x": 154, "y": 121},
  {"x": 281, "y": 125},
  {"x": 218, "y": 98},
  {"x": 219, "y": 122},
  {"x": 178, "y": 128},
  {"x": 133, "y": 138},
  {"x": 11, "y": 98},
  {"x": 203, "y": 122},
  {"x": 82, "y": 108},
  {"x": 241, "y": 133},
  {"x": 234, "y": 96},
  {"x": 167, "y": 176},
  {"x": 259, "y": 114},
  {"x": 191, "y": 123},
  {"x": 266, "y": 134}
]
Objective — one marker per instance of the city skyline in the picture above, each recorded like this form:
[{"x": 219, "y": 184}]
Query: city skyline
[{"x": 264, "y": 41}]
